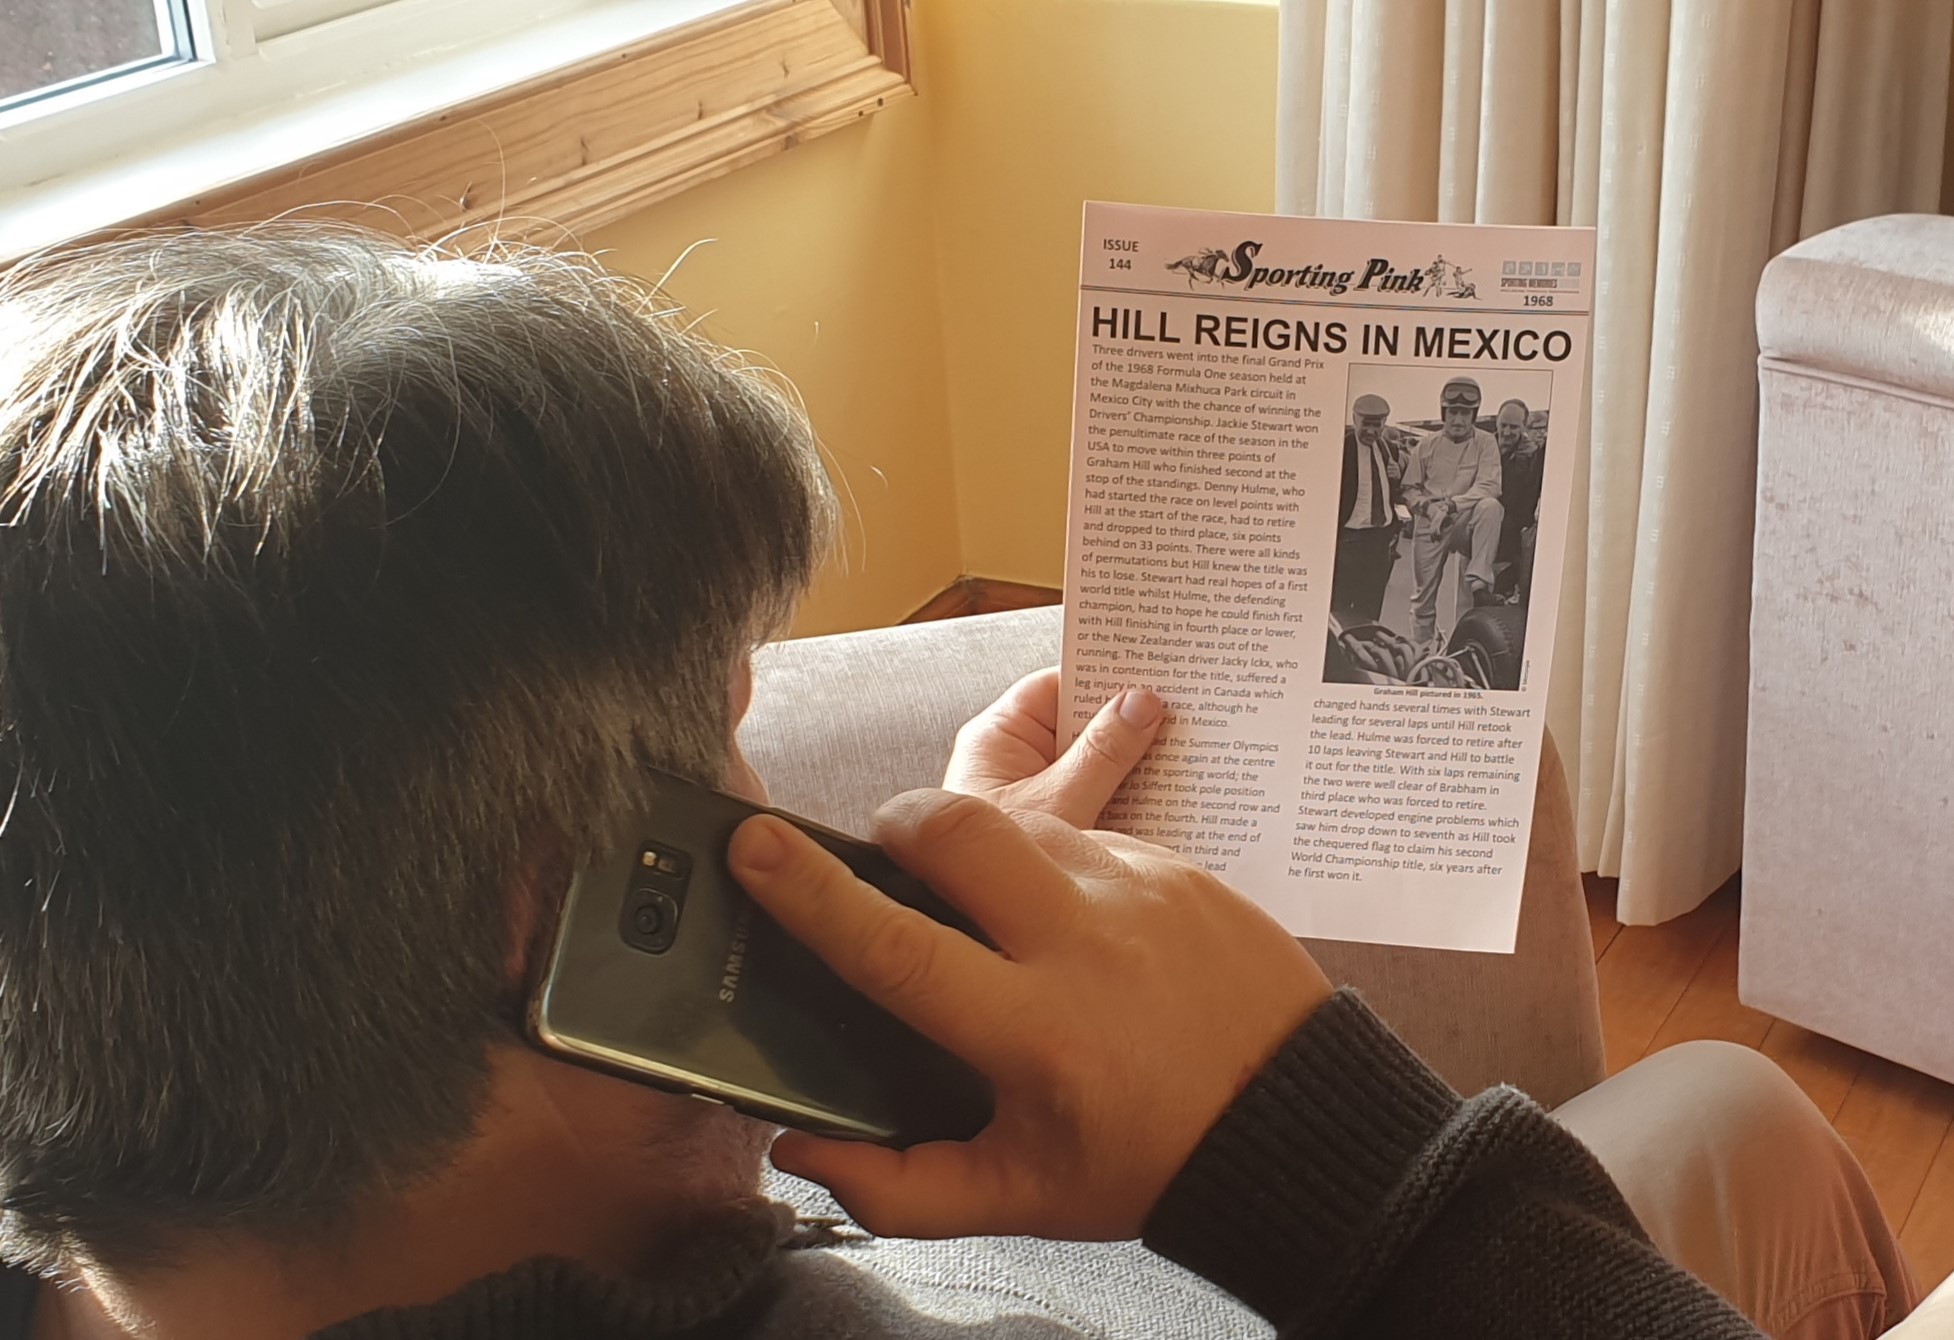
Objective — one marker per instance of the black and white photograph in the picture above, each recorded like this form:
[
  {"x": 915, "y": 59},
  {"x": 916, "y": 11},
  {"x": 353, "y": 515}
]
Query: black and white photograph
[{"x": 1436, "y": 525}]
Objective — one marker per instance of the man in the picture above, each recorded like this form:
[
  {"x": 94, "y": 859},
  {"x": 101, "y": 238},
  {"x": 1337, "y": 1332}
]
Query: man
[
  {"x": 345, "y": 592},
  {"x": 1452, "y": 485},
  {"x": 1521, "y": 466},
  {"x": 1368, "y": 530}
]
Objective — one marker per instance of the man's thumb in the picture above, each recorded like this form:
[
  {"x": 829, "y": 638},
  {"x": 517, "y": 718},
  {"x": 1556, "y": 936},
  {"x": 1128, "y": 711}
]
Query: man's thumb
[{"x": 1110, "y": 747}]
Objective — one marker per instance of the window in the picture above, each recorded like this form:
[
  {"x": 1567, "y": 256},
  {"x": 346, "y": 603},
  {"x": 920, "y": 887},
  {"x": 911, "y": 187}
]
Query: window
[
  {"x": 55, "y": 47},
  {"x": 456, "y": 111}
]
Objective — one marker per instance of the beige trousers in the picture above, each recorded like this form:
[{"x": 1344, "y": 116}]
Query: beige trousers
[{"x": 1741, "y": 1181}]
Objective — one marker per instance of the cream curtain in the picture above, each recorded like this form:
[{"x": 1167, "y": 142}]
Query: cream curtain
[{"x": 1701, "y": 136}]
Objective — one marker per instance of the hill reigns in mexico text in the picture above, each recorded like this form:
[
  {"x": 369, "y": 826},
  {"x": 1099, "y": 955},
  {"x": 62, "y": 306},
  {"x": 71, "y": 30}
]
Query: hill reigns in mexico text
[{"x": 1451, "y": 343}]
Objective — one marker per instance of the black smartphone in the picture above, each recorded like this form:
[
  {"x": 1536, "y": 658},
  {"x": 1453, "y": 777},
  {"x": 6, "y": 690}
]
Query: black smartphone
[{"x": 665, "y": 972}]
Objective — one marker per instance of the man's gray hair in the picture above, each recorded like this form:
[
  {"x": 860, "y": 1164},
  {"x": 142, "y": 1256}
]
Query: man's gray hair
[{"x": 331, "y": 567}]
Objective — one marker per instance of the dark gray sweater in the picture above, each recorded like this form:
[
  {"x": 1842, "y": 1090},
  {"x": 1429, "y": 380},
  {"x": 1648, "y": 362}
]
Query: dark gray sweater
[{"x": 1348, "y": 1191}]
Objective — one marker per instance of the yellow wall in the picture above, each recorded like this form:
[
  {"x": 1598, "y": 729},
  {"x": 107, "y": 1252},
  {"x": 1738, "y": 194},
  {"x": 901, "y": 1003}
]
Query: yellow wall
[
  {"x": 917, "y": 276},
  {"x": 1039, "y": 106},
  {"x": 825, "y": 266}
]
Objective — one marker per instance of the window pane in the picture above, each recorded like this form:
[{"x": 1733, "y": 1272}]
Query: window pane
[{"x": 47, "y": 42}]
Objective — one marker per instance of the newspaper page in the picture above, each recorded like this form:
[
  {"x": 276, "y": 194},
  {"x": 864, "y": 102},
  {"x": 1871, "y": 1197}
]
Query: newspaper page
[{"x": 1319, "y": 488}]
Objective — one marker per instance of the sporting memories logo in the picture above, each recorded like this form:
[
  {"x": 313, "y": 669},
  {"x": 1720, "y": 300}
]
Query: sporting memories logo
[{"x": 1242, "y": 266}]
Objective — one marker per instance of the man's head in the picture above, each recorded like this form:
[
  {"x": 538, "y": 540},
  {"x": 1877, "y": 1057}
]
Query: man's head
[
  {"x": 1537, "y": 429},
  {"x": 1370, "y": 414},
  {"x": 1510, "y": 426},
  {"x": 1458, "y": 408},
  {"x": 330, "y": 570}
]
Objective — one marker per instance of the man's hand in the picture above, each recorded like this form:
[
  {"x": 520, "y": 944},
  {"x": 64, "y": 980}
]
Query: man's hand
[
  {"x": 1008, "y": 754},
  {"x": 1131, "y": 998}
]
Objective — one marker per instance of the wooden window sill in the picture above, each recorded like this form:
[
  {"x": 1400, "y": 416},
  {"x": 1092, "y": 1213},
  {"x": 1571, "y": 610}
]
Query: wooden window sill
[{"x": 584, "y": 147}]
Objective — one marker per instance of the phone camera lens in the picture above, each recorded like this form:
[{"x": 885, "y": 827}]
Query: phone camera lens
[{"x": 651, "y": 919}]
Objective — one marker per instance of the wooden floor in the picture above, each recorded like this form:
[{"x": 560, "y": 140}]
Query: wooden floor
[{"x": 1661, "y": 985}]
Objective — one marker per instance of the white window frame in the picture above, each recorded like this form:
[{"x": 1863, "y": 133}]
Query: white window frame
[
  {"x": 172, "y": 18},
  {"x": 295, "y": 86},
  {"x": 269, "y": 19}
]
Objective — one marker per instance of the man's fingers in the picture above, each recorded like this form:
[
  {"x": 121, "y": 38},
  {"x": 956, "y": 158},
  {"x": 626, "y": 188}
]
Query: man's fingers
[
  {"x": 1014, "y": 738},
  {"x": 983, "y": 863},
  {"x": 877, "y": 1186},
  {"x": 1026, "y": 712},
  {"x": 1107, "y": 750},
  {"x": 1036, "y": 696},
  {"x": 923, "y": 972},
  {"x": 928, "y": 1191}
]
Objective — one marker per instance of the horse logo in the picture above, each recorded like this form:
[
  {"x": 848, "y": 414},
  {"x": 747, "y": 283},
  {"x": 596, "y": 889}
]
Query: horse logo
[{"x": 1204, "y": 265}]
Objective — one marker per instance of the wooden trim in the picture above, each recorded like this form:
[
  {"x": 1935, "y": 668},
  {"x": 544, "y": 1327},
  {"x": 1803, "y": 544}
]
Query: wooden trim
[
  {"x": 589, "y": 146},
  {"x": 983, "y": 595},
  {"x": 889, "y": 34},
  {"x": 952, "y": 602}
]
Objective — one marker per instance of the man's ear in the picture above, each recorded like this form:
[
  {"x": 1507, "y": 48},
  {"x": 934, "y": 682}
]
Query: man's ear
[{"x": 533, "y": 895}]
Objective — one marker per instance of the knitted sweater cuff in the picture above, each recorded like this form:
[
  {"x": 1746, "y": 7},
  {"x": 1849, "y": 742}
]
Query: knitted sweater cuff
[{"x": 1276, "y": 1200}]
